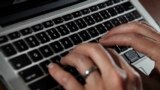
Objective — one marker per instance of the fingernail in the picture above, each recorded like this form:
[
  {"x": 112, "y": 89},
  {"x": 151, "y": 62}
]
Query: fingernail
[{"x": 50, "y": 66}]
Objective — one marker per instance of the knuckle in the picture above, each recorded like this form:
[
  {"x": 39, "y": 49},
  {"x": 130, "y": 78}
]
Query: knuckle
[{"x": 93, "y": 47}]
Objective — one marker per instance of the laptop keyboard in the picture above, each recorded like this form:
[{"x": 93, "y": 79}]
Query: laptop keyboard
[{"x": 30, "y": 50}]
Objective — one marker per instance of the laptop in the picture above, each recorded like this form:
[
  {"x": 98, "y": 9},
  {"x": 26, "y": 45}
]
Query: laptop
[{"x": 34, "y": 33}]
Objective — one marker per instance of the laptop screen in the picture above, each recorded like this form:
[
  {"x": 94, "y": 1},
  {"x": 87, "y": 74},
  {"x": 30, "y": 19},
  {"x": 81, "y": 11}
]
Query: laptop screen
[{"x": 17, "y": 10}]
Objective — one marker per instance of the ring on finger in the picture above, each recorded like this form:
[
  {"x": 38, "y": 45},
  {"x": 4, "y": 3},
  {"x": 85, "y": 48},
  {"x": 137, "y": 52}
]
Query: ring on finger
[{"x": 89, "y": 71}]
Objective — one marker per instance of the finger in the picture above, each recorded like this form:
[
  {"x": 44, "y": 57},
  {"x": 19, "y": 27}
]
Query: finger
[
  {"x": 138, "y": 28},
  {"x": 83, "y": 63},
  {"x": 64, "y": 78},
  {"x": 133, "y": 77},
  {"x": 100, "y": 57},
  {"x": 137, "y": 41}
]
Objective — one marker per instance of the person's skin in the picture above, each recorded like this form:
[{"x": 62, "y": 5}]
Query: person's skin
[{"x": 114, "y": 73}]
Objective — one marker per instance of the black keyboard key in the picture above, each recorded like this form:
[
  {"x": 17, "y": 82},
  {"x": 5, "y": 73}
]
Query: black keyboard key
[
  {"x": 3, "y": 39},
  {"x": 32, "y": 41},
  {"x": 119, "y": 9},
  {"x": 85, "y": 11},
  {"x": 109, "y": 2},
  {"x": 53, "y": 33},
  {"x": 127, "y": 6},
  {"x": 63, "y": 30},
  {"x": 123, "y": 19},
  {"x": 20, "y": 61},
  {"x": 104, "y": 14},
  {"x": 46, "y": 51},
  {"x": 31, "y": 73},
  {"x": 102, "y": 5},
  {"x": 26, "y": 31},
  {"x": 44, "y": 65},
  {"x": 56, "y": 60},
  {"x": 75, "y": 39},
  {"x": 129, "y": 17},
  {"x": 43, "y": 37},
  {"x": 116, "y": 1},
  {"x": 94, "y": 8},
  {"x": 132, "y": 56},
  {"x": 72, "y": 26},
  {"x": 93, "y": 32},
  {"x": 136, "y": 14},
  {"x": 66, "y": 42},
  {"x": 37, "y": 27},
  {"x": 77, "y": 14},
  {"x": 20, "y": 45},
  {"x": 115, "y": 22},
  {"x": 112, "y": 11},
  {"x": 47, "y": 83},
  {"x": 64, "y": 53},
  {"x": 89, "y": 20},
  {"x": 35, "y": 55},
  {"x": 58, "y": 20},
  {"x": 71, "y": 70},
  {"x": 56, "y": 46},
  {"x": 97, "y": 17},
  {"x": 8, "y": 50},
  {"x": 108, "y": 25},
  {"x": 84, "y": 35},
  {"x": 123, "y": 48},
  {"x": 14, "y": 35},
  {"x": 81, "y": 23},
  {"x": 81, "y": 80},
  {"x": 48, "y": 24},
  {"x": 68, "y": 17},
  {"x": 101, "y": 29}
]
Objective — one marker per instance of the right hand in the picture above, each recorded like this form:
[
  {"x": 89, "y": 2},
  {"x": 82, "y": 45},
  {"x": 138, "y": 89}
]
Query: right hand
[{"x": 139, "y": 36}]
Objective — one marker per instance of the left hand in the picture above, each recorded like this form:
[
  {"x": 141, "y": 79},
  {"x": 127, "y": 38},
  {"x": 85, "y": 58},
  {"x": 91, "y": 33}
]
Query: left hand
[{"x": 113, "y": 72}]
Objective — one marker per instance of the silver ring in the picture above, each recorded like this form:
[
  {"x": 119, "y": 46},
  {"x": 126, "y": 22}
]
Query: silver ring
[{"x": 89, "y": 71}]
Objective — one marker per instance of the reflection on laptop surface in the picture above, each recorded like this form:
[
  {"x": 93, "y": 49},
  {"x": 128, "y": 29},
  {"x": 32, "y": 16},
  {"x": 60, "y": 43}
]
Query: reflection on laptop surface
[{"x": 34, "y": 33}]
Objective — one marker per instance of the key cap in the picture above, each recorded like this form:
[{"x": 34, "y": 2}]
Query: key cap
[
  {"x": 104, "y": 14},
  {"x": 85, "y": 11},
  {"x": 56, "y": 60},
  {"x": 3, "y": 39},
  {"x": 102, "y": 5},
  {"x": 84, "y": 35},
  {"x": 132, "y": 56},
  {"x": 56, "y": 46},
  {"x": 72, "y": 26},
  {"x": 35, "y": 55},
  {"x": 93, "y": 32},
  {"x": 53, "y": 33},
  {"x": 81, "y": 23},
  {"x": 109, "y": 2},
  {"x": 77, "y": 14},
  {"x": 63, "y": 30},
  {"x": 94, "y": 8},
  {"x": 112, "y": 11},
  {"x": 46, "y": 51},
  {"x": 136, "y": 14},
  {"x": 42, "y": 37},
  {"x": 75, "y": 38},
  {"x": 44, "y": 65},
  {"x": 81, "y": 80},
  {"x": 97, "y": 17},
  {"x": 119, "y": 9},
  {"x": 101, "y": 29},
  {"x": 66, "y": 42},
  {"x": 26, "y": 31},
  {"x": 32, "y": 41},
  {"x": 127, "y": 6},
  {"x": 64, "y": 54},
  {"x": 116, "y": 1},
  {"x": 48, "y": 24},
  {"x": 115, "y": 22},
  {"x": 31, "y": 73},
  {"x": 8, "y": 50},
  {"x": 37, "y": 27},
  {"x": 68, "y": 17},
  {"x": 58, "y": 20},
  {"x": 20, "y": 61},
  {"x": 47, "y": 83},
  {"x": 108, "y": 25},
  {"x": 21, "y": 45},
  {"x": 123, "y": 19},
  {"x": 89, "y": 20},
  {"x": 14, "y": 35}
]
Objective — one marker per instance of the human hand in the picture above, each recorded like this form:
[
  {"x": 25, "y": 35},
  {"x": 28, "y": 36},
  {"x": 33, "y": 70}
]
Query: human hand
[
  {"x": 113, "y": 72},
  {"x": 139, "y": 36}
]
